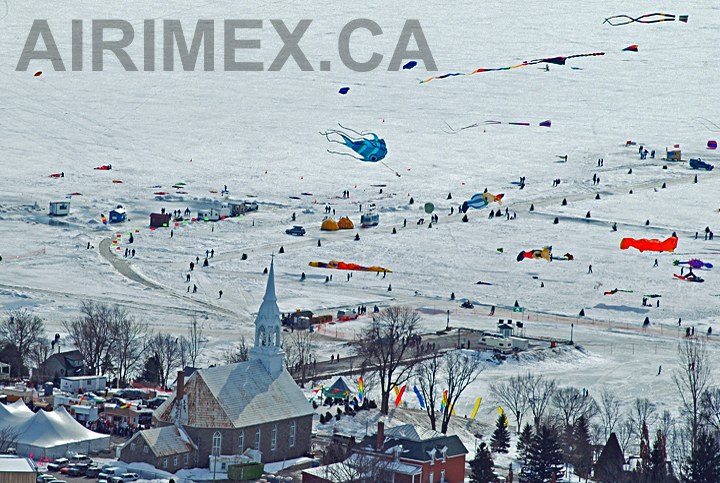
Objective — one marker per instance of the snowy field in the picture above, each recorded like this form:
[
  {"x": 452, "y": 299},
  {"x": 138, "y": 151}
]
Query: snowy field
[{"x": 258, "y": 133}]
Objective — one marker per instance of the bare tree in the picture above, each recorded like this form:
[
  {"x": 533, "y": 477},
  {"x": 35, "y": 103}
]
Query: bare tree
[
  {"x": 299, "y": 350},
  {"x": 128, "y": 345},
  {"x": 643, "y": 412},
  {"x": 692, "y": 378},
  {"x": 540, "y": 392},
  {"x": 460, "y": 369},
  {"x": 359, "y": 468},
  {"x": 23, "y": 330},
  {"x": 625, "y": 431},
  {"x": 239, "y": 353},
  {"x": 609, "y": 412},
  {"x": 428, "y": 377},
  {"x": 710, "y": 408},
  {"x": 195, "y": 341},
  {"x": 167, "y": 350},
  {"x": 571, "y": 404},
  {"x": 513, "y": 395},
  {"x": 39, "y": 352},
  {"x": 93, "y": 333},
  {"x": 385, "y": 346},
  {"x": 8, "y": 437}
]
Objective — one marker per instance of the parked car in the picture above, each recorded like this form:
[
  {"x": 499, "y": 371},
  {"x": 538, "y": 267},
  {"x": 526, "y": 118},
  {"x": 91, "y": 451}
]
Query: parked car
[
  {"x": 42, "y": 478},
  {"x": 125, "y": 478},
  {"x": 58, "y": 464},
  {"x": 93, "y": 471},
  {"x": 296, "y": 230},
  {"x": 130, "y": 394},
  {"x": 64, "y": 470},
  {"x": 78, "y": 470},
  {"x": 81, "y": 458},
  {"x": 155, "y": 402},
  {"x": 109, "y": 473}
]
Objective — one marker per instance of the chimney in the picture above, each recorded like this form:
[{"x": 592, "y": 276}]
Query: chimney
[
  {"x": 380, "y": 435},
  {"x": 180, "y": 386}
]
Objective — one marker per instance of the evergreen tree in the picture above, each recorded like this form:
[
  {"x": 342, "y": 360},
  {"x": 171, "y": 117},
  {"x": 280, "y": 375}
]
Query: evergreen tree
[
  {"x": 500, "y": 440},
  {"x": 658, "y": 460},
  {"x": 482, "y": 466},
  {"x": 582, "y": 449},
  {"x": 703, "y": 465},
  {"x": 642, "y": 469},
  {"x": 151, "y": 371},
  {"x": 544, "y": 460},
  {"x": 524, "y": 441}
]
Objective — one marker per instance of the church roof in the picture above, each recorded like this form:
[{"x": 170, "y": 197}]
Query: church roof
[
  {"x": 166, "y": 441},
  {"x": 237, "y": 396}
]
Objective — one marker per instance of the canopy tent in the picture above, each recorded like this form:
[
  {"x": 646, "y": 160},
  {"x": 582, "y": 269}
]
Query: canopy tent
[
  {"x": 50, "y": 434},
  {"x": 339, "y": 390}
]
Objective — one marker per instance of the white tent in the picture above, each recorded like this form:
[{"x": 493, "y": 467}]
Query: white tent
[{"x": 50, "y": 434}]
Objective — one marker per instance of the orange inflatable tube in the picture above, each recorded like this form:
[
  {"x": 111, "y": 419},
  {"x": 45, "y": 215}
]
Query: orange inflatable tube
[{"x": 653, "y": 245}]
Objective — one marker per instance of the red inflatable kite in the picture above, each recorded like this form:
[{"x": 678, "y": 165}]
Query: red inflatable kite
[
  {"x": 348, "y": 266},
  {"x": 654, "y": 245}
]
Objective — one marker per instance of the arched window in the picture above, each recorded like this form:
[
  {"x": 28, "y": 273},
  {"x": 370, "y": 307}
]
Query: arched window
[
  {"x": 273, "y": 441},
  {"x": 241, "y": 441},
  {"x": 292, "y": 434},
  {"x": 261, "y": 338},
  {"x": 277, "y": 337},
  {"x": 217, "y": 442}
]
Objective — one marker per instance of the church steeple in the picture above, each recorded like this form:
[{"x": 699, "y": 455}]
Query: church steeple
[{"x": 268, "y": 328}]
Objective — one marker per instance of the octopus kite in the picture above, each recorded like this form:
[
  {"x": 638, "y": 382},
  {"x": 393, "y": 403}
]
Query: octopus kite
[{"x": 370, "y": 149}]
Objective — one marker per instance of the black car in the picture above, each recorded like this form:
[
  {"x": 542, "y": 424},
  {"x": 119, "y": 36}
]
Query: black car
[
  {"x": 296, "y": 230},
  {"x": 155, "y": 402}
]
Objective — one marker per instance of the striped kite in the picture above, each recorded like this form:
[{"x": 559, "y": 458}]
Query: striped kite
[
  {"x": 549, "y": 60},
  {"x": 649, "y": 18},
  {"x": 348, "y": 266}
]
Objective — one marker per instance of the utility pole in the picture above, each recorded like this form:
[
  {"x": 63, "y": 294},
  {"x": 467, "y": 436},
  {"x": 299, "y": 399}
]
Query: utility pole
[
  {"x": 572, "y": 326},
  {"x": 447, "y": 326}
]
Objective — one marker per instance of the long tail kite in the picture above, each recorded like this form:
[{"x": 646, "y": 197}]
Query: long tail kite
[
  {"x": 477, "y": 405},
  {"x": 419, "y": 396},
  {"x": 649, "y": 18},
  {"x": 488, "y": 123},
  {"x": 398, "y": 400},
  {"x": 550, "y": 60}
]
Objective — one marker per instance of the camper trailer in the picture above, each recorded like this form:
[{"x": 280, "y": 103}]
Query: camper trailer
[
  {"x": 673, "y": 155},
  {"x": 240, "y": 207},
  {"x": 214, "y": 214},
  {"x": 370, "y": 217},
  {"x": 59, "y": 208},
  {"x": 118, "y": 215}
]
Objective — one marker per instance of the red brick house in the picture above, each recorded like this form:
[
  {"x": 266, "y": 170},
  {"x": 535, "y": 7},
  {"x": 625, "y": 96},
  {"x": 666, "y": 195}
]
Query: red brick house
[{"x": 404, "y": 454}]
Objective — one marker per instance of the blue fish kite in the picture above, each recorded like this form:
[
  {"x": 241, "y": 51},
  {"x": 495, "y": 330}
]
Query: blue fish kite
[
  {"x": 410, "y": 65},
  {"x": 417, "y": 393},
  {"x": 368, "y": 149}
]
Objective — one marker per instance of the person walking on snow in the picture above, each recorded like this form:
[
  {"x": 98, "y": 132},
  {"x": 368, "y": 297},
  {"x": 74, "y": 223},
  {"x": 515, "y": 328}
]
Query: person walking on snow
[{"x": 590, "y": 269}]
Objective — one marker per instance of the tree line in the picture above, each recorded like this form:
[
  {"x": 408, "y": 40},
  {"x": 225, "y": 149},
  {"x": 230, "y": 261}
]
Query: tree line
[{"x": 112, "y": 343}]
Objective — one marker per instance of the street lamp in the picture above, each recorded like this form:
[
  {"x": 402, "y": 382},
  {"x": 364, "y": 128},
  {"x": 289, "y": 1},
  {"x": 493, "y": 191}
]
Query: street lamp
[
  {"x": 572, "y": 326},
  {"x": 447, "y": 326}
]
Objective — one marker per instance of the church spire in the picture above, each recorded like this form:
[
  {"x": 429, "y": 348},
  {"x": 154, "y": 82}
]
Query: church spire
[{"x": 270, "y": 289}]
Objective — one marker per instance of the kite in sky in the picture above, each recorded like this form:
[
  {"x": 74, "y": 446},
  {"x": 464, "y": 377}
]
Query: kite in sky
[
  {"x": 649, "y": 18},
  {"x": 368, "y": 149},
  {"x": 549, "y": 60},
  {"x": 487, "y": 123}
]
